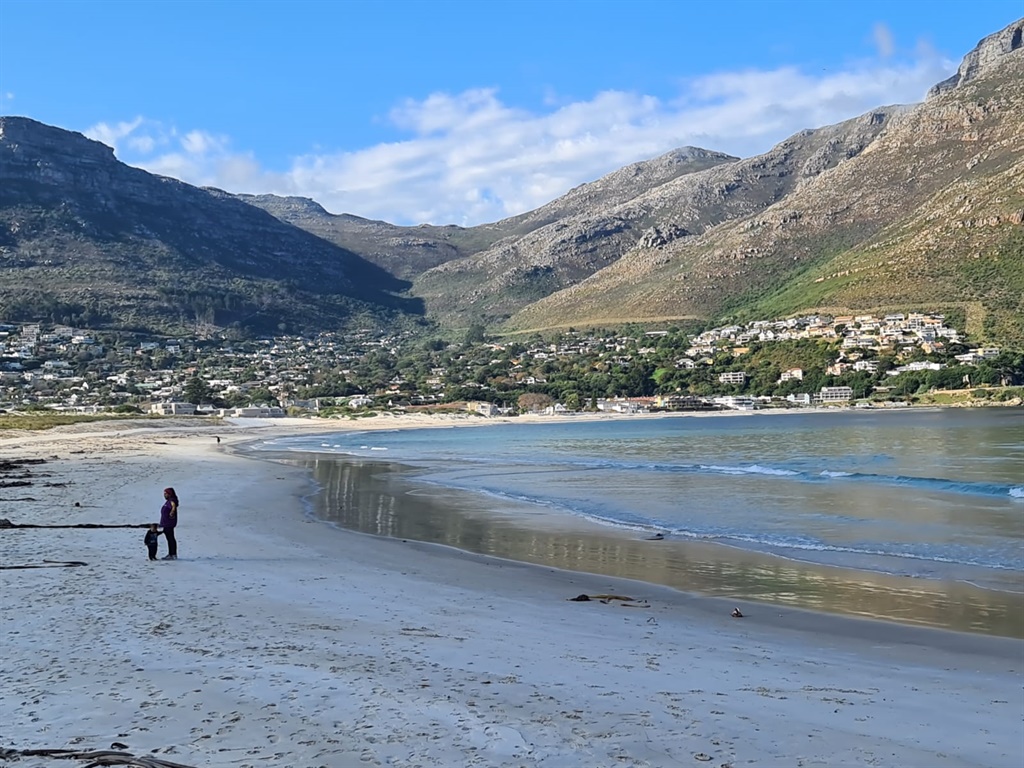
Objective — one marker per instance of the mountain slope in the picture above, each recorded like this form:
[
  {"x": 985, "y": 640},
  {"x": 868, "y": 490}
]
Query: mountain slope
[
  {"x": 928, "y": 212},
  {"x": 87, "y": 239},
  {"x": 901, "y": 208},
  {"x": 515, "y": 273},
  {"x": 405, "y": 252},
  {"x": 408, "y": 252}
]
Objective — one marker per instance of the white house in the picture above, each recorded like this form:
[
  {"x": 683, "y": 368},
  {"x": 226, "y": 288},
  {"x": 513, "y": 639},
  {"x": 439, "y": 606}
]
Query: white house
[
  {"x": 736, "y": 403},
  {"x": 253, "y": 412},
  {"x": 172, "y": 409},
  {"x": 732, "y": 377},
  {"x": 482, "y": 407}
]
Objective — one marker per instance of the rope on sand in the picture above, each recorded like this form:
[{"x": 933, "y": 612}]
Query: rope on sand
[{"x": 97, "y": 758}]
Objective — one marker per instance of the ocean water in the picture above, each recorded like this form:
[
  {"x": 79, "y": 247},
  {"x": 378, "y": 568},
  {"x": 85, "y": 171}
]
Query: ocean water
[{"x": 923, "y": 501}]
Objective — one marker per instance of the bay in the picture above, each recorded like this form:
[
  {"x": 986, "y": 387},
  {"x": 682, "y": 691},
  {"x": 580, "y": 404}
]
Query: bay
[{"x": 914, "y": 516}]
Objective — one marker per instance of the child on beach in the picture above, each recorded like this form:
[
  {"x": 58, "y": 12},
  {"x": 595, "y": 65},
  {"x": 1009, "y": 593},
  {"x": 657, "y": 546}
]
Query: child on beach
[{"x": 152, "y": 536}]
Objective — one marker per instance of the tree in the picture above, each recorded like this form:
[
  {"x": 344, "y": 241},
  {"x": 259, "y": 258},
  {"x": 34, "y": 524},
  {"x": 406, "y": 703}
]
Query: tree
[
  {"x": 1007, "y": 368},
  {"x": 434, "y": 345},
  {"x": 475, "y": 334},
  {"x": 260, "y": 395},
  {"x": 197, "y": 391}
]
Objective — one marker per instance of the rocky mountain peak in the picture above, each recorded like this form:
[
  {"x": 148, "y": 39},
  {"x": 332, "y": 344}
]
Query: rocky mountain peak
[
  {"x": 51, "y": 157},
  {"x": 25, "y": 137},
  {"x": 983, "y": 57},
  {"x": 283, "y": 207}
]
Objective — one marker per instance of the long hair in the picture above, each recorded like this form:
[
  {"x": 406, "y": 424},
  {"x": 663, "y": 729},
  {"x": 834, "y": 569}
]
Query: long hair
[{"x": 173, "y": 495}]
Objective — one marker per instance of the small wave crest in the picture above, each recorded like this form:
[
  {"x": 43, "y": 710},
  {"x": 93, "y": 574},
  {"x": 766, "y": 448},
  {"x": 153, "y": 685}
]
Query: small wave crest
[{"x": 753, "y": 469}]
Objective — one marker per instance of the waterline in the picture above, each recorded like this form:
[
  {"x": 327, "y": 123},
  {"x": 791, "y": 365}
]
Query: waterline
[{"x": 389, "y": 499}]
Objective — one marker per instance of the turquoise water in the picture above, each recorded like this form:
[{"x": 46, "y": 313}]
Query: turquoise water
[{"x": 933, "y": 494}]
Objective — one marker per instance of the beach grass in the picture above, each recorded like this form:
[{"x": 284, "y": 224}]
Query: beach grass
[{"x": 35, "y": 420}]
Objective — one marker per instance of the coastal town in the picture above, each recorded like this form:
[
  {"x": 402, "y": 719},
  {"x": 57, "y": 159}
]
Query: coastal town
[{"x": 850, "y": 360}]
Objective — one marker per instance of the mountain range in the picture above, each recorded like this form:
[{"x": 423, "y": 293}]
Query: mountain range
[{"x": 905, "y": 207}]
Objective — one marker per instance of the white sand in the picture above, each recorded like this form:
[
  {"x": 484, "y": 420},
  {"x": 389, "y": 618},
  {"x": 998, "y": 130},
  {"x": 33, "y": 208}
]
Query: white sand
[{"x": 278, "y": 641}]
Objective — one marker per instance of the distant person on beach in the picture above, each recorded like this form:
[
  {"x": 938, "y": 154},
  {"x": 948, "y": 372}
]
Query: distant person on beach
[
  {"x": 152, "y": 537},
  {"x": 168, "y": 521}
]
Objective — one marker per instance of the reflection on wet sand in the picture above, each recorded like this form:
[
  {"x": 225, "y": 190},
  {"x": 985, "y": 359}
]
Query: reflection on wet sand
[{"x": 385, "y": 499}]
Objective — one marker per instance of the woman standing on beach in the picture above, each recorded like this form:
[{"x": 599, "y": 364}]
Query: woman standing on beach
[{"x": 168, "y": 520}]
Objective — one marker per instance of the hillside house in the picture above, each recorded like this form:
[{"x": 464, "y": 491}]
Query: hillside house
[{"x": 733, "y": 377}]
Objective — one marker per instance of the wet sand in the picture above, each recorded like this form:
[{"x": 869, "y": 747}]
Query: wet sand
[{"x": 385, "y": 499}]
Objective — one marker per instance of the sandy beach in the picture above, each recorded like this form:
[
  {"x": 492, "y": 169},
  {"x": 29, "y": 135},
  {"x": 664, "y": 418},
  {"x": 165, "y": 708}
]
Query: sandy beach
[{"x": 277, "y": 640}]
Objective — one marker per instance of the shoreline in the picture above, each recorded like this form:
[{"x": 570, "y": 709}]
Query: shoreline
[
  {"x": 276, "y": 638},
  {"x": 436, "y": 515},
  {"x": 959, "y": 599}
]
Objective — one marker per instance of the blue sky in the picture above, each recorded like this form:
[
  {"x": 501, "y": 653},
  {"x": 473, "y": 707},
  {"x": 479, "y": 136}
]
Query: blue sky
[{"x": 461, "y": 112}]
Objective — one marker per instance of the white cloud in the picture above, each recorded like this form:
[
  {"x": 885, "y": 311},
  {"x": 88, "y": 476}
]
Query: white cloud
[
  {"x": 111, "y": 135},
  {"x": 143, "y": 145},
  {"x": 202, "y": 143},
  {"x": 469, "y": 158},
  {"x": 883, "y": 40}
]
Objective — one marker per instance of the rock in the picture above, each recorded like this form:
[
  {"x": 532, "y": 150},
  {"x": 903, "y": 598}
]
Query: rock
[{"x": 984, "y": 55}]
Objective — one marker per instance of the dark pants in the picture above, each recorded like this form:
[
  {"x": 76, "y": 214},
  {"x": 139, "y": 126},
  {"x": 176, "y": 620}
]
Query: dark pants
[
  {"x": 172, "y": 544},
  {"x": 152, "y": 551}
]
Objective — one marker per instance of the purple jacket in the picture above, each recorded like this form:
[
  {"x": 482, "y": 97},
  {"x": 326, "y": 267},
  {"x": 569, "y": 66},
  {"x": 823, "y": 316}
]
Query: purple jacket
[{"x": 166, "y": 519}]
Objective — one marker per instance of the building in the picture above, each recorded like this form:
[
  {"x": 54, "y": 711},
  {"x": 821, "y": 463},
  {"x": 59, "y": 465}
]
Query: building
[
  {"x": 482, "y": 407},
  {"x": 173, "y": 409},
  {"x": 736, "y": 403},
  {"x": 253, "y": 412},
  {"x": 835, "y": 394},
  {"x": 682, "y": 403},
  {"x": 732, "y": 377}
]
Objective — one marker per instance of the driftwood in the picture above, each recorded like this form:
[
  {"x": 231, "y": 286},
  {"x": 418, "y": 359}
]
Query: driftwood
[
  {"x": 48, "y": 564},
  {"x": 6, "y": 465},
  {"x": 15, "y": 473},
  {"x": 625, "y": 602},
  {"x": 96, "y": 757},
  {"x": 602, "y": 598},
  {"x": 5, "y": 523}
]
